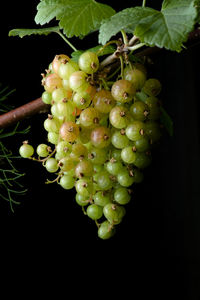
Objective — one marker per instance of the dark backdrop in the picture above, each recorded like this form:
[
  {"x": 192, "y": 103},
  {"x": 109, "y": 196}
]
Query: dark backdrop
[{"x": 156, "y": 249}]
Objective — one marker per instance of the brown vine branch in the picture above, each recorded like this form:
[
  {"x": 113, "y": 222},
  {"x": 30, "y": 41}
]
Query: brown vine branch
[
  {"x": 22, "y": 112},
  {"x": 37, "y": 106}
]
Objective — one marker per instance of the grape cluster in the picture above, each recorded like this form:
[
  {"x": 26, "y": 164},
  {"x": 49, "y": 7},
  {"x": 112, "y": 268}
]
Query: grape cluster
[{"x": 102, "y": 133}]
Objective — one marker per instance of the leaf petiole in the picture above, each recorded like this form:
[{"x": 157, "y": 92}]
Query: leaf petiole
[
  {"x": 66, "y": 40},
  {"x": 143, "y": 3}
]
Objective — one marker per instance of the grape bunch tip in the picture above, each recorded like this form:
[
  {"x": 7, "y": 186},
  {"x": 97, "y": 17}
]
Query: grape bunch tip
[{"x": 101, "y": 134}]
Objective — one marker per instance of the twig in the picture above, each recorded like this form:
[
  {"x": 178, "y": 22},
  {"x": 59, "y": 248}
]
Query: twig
[{"x": 22, "y": 112}]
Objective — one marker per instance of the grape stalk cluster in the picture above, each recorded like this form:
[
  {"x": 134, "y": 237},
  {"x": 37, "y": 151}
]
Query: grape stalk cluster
[{"x": 100, "y": 133}]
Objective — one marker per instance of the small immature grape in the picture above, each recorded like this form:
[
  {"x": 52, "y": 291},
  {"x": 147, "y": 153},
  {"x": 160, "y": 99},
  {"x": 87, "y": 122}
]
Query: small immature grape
[
  {"x": 142, "y": 160},
  {"x": 139, "y": 111},
  {"x": 103, "y": 101},
  {"x": 67, "y": 182},
  {"x": 97, "y": 156},
  {"x": 51, "y": 165},
  {"x": 43, "y": 150},
  {"x": 106, "y": 231},
  {"x": 58, "y": 60},
  {"x": 153, "y": 131},
  {"x": 113, "y": 166},
  {"x": 63, "y": 110},
  {"x": 51, "y": 124},
  {"x": 88, "y": 62},
  {"x": 52, "y": 82},
  {"x": 142, "y": 144},
  {"x": 81, "y": 200},
  {"x": 125, "y": 178},
  {"x": 101, "y": 137},
  {"x": 119, "y": 117},
  {"x": 136, "y": 74},
  {"x": 84, "y": 168},
  {"x": 60, "y": 94},
  {"x": 63, "y": 148},
  {"x": 122, "y": 196},
  {"x": 78, "y": 82},
  {"x": 53, "y": 137},
  {"x": 46, "y": 97},
  {"x": 69, "y": 131},
  {"x": 102, "y": 198},
  {"x": 135, "y": 130},
  {"x": 84, "y": 187},
  {"x": 89, "y": 117},
  {"x": 79, "y": 151},
  {"x": 67, "y": 163},
  {"x": 123, "y": 91},
  {"x": 128, "y": 155},
  {"x": 114, "y": 213},
  {"x": 94, "y": 211},
  {"x": 152, "y": 87},
  {"x": 26, "y": 150},
  {"x": 104, "y": 181},
  {"x": 119, "y": 139},
  {"x": 66, "y": 69}
]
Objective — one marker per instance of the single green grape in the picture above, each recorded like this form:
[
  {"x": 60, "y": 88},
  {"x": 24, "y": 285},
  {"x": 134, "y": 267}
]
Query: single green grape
[
  {"x": 125, "y": 178},
  {"x": 152, "y": 87},
  {"x": 113, "y": 167},
  {"x": 51, "y": 165},
  {"x": 82, "y": 200},
  {"x": 139, "y": 111},
  {"x": 43, "y": 150},
  {"x": 53, "y": 137},
  {"x": 84, "y": 187},
  {"x": 119, "y": 139},
  {"x": 88, "y": 62},
  {"x": 84, "y": 168},
  {"x": 26, "y": 150},
  {"x": 142, "y": 160},
  {"x": 104, "y": 181},
  {"x": 114, "y": 213},
  {"x": 46, "y": 97},
  {"x": 122, "y": 196},
  {"x": 136, "y": 74},
  {"x": 67, "y": 69},
  {"x": 67, "y": 182},
  {"x": 135, "y": 130},
  {"x": 128, "y": 155},
  {"x": 106, "y": 230},
  {"x": 102, "y": 198},
  {"x": 97, "y": 156},
  {"x": 94, "y": 211},
  {"x": 123, "y": 91}
]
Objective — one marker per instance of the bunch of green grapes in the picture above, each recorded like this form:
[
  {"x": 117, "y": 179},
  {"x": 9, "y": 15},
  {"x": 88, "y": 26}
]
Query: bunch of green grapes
[{"x": 101, "y": 134}]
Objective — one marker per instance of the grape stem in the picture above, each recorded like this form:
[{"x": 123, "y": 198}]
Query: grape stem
[
  {"x": 143, "y": 3},
  {"x": 66, "y": 40}
]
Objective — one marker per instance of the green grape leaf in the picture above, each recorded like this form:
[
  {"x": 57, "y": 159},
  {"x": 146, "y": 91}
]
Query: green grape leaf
[
  {"x": 197, "y": 5},
  {"x": 166, "y": 121},
  {"x": 126, "y": 19},
  {"x": 170, "y": 27},
  {"x": 107, "y": 50},
  {"x": 167, "y": 28},
  {"x": 76, "y": 17},
  {"x": 24, "y": 32}
]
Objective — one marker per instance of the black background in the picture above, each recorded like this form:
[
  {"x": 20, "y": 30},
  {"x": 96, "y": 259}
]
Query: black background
[{"x": 156, "y": 249}]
